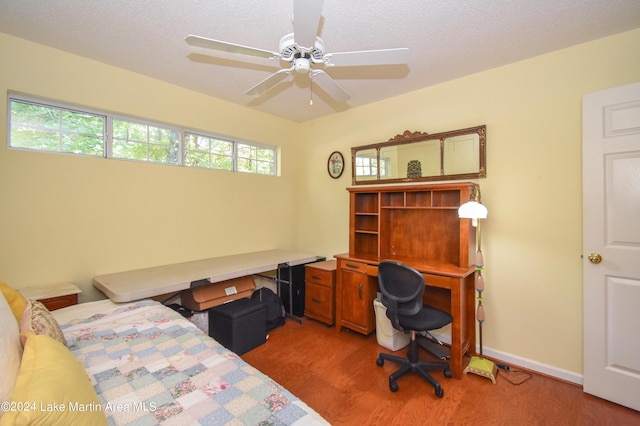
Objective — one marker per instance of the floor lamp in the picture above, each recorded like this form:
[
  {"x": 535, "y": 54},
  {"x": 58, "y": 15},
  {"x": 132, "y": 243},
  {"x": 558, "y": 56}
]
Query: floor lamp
[{"x": 475, "y": 211}]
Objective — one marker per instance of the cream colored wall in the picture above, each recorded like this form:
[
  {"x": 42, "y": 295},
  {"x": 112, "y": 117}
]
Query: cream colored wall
[
  {"x": 532, "y": 239},
  {"x": 68, "y": 218}
]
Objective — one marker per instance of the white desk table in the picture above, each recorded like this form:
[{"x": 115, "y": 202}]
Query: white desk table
[{"x": 148, "y": 282}]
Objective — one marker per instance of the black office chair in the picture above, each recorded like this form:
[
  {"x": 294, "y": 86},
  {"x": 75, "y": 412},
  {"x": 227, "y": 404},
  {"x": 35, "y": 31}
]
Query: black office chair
[{"x": 402, "y": 290}]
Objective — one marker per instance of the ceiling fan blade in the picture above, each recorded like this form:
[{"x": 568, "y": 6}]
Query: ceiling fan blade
[
  {"x": 329, "y": 85},
  {"x": 269, "y": 82},
  {"x": 306, "y": 19},
  {"x": 368, "y": 57},
  {"x": 208, "y": 43}
]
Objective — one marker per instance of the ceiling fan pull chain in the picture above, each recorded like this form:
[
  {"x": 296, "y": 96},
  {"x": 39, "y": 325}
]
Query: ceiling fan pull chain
[{"x": 311, "y": 89}]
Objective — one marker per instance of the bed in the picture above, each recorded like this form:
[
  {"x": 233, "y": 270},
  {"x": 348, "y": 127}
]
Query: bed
[{"x": 149, "y": 365}]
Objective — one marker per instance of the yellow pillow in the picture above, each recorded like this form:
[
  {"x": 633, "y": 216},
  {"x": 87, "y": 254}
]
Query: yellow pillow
[
  {"x": 15, "y": 299},
  {"x": 10, "y": 351},
  {"x": 54, "y": 386}
]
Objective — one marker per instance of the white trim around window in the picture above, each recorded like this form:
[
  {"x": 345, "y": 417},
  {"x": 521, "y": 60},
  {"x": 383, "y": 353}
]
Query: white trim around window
[{"x": 42, "y": 125}]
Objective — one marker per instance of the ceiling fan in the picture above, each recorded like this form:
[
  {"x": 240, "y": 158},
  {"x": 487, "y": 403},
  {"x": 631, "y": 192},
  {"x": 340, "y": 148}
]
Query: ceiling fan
[{"x": 303, "y": 49}]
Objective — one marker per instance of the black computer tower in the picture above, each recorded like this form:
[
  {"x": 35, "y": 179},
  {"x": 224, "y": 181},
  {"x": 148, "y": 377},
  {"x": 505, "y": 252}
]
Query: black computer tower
[{"x": 297, "y": 284}]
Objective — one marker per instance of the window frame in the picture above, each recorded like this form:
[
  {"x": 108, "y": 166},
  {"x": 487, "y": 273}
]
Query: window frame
[
  {"x": 60, "y": 107},
  {"x": 110, "y": 139},
  {"x": 379, "y": 167},
  {"x": 209, "y": 152},
  {"x": 108, "y": 136},
  {"x": 257, "y": 146}
]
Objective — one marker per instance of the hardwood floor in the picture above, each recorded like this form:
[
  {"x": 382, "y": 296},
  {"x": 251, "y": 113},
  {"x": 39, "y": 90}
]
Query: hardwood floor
[{"x": 336, "y": 374}]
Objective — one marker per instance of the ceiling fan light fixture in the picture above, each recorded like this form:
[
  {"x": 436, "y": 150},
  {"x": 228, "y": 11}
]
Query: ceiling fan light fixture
[
  {"x": 289, "y": 50},
  {"x": 303, "y": 49},
  {"x": 302, "y": 65}
]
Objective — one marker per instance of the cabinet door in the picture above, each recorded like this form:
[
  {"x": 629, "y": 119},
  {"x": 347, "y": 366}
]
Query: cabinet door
[{"x": 355, "y": 301}]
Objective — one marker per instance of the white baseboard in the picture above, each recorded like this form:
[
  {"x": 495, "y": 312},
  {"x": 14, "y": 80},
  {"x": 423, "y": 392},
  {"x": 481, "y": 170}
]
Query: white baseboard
[{"x": 516, "y": 361}]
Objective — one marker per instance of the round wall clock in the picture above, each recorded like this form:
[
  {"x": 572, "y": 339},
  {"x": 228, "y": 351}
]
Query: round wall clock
[{"x": 335, "y": 165}]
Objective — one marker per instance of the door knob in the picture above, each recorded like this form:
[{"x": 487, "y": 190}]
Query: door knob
[{"x": 595, "y": 258}]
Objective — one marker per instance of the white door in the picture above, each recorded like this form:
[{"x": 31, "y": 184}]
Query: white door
[{"x": 611, "y": 236}]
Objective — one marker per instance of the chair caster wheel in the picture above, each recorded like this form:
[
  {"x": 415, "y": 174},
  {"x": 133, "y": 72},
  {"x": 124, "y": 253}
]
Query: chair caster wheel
[
  {"x": 439, "y": 392},
  {"x": 447, "y": 373},
  {"x": 393, "y": 386},
  {"x": 380, "y": 362}
]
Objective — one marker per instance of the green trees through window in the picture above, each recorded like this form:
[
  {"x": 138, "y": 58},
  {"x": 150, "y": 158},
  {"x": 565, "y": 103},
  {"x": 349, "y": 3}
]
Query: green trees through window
[
  {"x": 143, "y": 142},
  {"x": 48, "y": 128},
  {"x": 43, "y": 126},
  {"x": 208, "y": 152},
  {"x": 254, "y": 159}
]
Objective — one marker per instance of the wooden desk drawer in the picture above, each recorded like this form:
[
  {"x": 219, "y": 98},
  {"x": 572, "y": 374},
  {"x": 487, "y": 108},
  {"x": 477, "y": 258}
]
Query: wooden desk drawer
[
  {"x": 439, "y": 281},
  {"x": 320, "y": 290},
  {"x": 354, "y": 266},
  {"x": 319, "y": 303},
  {"x": 319, "y": 277}
]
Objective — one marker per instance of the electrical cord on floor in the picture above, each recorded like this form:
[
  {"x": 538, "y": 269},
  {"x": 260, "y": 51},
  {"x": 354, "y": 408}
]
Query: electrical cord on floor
[{"x": 515, "y": 377}]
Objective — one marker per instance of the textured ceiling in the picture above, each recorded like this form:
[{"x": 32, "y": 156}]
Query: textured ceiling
[{"x": 447, "y": 40}]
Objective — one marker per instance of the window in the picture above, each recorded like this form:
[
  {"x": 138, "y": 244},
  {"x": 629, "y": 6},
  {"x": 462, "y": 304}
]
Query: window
[
  {"x": 368, "y": 166},
  {"x": 256, "y": 159},
  {"x": 207, "y": 152},
  {"x": 49, "y": 128},
  {"x": 144, "y": 142},
  {"x": 43, "y": 126}
]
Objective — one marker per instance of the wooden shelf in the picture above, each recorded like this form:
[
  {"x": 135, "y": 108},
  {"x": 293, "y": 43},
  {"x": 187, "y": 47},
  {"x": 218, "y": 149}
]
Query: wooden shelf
[
  {"x": 413, "y": 221},
  {"x": 366, "y": 203}
]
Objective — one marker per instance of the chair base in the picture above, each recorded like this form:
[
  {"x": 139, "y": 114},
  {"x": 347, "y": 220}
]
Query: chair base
[{"x": 411, "y": 364}]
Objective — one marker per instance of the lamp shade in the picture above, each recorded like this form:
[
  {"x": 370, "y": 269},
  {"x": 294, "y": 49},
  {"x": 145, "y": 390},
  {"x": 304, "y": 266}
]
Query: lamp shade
[{"x": 472, "y": 210}]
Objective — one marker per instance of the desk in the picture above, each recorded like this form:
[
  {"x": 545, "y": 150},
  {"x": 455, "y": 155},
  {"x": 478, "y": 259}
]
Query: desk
[
  {"x": 148, "y": 282},
  {"x": 448, "y": 288}
]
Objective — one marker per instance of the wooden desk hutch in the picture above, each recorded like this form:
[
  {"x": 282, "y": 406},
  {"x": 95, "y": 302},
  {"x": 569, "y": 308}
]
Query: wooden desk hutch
[{"x": 419, "y": 226}]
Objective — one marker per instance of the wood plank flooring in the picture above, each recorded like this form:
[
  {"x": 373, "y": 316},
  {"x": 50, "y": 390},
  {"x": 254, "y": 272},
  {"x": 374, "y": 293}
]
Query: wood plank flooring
[{"x": 336, "y": 374}]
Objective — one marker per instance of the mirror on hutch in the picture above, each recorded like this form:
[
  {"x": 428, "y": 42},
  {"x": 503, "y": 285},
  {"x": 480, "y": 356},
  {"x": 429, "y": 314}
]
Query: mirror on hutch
[{"x": 417, "y": 156}]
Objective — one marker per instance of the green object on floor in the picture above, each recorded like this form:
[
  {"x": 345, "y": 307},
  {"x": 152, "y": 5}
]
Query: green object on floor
[{"x": 482, "y": 367}]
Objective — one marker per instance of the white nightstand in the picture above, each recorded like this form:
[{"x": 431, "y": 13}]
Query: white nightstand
[{"x": 53, "y": 296}]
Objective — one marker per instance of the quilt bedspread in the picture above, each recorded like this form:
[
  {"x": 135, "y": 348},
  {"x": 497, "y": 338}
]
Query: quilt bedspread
[{"x": 149, "y": 366}]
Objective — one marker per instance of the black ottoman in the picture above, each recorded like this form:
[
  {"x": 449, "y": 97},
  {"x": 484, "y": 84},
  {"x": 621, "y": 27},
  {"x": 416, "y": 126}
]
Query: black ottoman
[{"x": 240, "y": 325}]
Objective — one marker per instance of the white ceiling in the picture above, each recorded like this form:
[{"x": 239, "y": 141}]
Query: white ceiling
[{"x": 447, "y": 39}]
